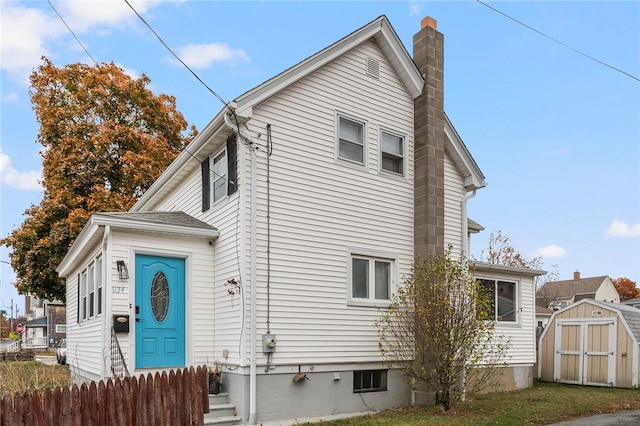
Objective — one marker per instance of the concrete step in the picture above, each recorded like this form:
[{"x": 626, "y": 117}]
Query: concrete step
[
  {"x": 222, "y": 421},
  {"x": 220, "y": 398},
  {"x": 221, "y": 411}
]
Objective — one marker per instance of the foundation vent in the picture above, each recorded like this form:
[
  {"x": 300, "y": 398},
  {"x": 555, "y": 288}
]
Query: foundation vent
[{"x": 373, "y": 67}]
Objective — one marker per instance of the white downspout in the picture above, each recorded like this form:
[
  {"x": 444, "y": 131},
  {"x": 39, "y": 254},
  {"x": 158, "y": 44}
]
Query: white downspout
[
  {"x": 253, "y": 369},
  {"x": 253, "y": 272},
  {"x": 106, "y": 265},
  {"x": 465, "y": 224}
]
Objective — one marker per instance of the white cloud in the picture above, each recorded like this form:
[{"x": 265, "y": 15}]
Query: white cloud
[
  {"x": 24, "y": 34},
  {"x": 10, "y": 97},
  {"x": 415, "y": 8},
  {"x": 619, "y": 228},
  {"x": 551, "y": 251},
  {"x": 201, "y": 56},
  {"x": 12, "y": 178},
  {"x": 28, "y": 33}
]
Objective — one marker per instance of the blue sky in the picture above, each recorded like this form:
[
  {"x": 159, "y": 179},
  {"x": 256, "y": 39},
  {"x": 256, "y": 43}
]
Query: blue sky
[{"x": 556, "y": 134}]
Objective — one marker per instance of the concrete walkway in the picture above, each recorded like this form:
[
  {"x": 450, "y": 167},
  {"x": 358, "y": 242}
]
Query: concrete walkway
[{"x": 620, "y": 418}]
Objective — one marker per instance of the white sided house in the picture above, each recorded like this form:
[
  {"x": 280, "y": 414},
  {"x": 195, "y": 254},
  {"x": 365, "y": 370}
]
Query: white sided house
[{"x": 270, "y": 244}]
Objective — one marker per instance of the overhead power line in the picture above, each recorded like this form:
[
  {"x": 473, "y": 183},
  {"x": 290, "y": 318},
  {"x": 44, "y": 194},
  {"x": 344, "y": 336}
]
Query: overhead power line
[
  {"x": 72, "y": 33},
  {"x": 177, "y": 57},
  {"x": 559, "y": 42}
]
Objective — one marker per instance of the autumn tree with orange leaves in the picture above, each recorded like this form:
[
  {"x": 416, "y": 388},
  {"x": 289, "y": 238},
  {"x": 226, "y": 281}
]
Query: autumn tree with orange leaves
[
  {"x": 105, "y": 139},
  {"x": 626, "y": 288}
]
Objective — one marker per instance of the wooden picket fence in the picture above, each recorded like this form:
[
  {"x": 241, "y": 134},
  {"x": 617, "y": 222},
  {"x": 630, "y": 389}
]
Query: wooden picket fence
[{"x": 176, "y": 398}]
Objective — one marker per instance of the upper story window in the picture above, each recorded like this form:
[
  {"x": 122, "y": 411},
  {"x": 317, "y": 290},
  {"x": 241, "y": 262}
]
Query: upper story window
[
  {"x": 351, "y": 140},
  {"x": 220, "y": 176},
  {"x": 370, "y": 279},
  {"x": 503, "y": 299},
  {"x": 220, "y": 179},
  {"x": 392, "y": 157}
]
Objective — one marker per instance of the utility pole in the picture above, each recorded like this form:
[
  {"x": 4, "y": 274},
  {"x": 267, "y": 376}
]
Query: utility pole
[{"x": 11, "y": 319}]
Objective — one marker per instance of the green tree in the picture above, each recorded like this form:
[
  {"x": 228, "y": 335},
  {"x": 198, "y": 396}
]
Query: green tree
[
  {"x": 437, "y": 331},
  {"x": 105, "y": 139}
]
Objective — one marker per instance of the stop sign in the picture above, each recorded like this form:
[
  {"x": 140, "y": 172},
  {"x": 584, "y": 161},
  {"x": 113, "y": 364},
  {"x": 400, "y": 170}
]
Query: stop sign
[{"x": 19, "y": 328}]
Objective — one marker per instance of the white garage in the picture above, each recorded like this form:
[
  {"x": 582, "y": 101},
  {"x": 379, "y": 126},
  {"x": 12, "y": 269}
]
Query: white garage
[{"x": 591, "y": 343}]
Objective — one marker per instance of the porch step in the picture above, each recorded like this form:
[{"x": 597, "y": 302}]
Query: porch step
[{"x": 221, "y": 411}]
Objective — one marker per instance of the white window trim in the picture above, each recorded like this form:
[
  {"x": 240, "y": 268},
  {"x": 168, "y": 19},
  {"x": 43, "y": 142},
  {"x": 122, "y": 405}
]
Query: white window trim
[
  {"x": 371, "y": 301},
  {"x": 404, "y": 152},
  {"x": 91, "y": 276},
  {"x": 84, "y": 308},
  {"x": 518, "y": 308},
  {"x": 99, "y": 286},
  {"x": 365, "y": 144},
  {"x": 214, "y": 177},
  {"x": 91, "y": 290}
]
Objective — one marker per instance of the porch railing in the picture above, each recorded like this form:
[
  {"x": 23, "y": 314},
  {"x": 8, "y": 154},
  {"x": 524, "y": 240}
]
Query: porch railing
[{"x": 118, "y": 364}]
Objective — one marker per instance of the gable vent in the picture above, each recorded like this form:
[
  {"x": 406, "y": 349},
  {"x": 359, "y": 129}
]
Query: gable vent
[
  {"x": 597, "y": 313},
  {"x": 373, "y": 67}
]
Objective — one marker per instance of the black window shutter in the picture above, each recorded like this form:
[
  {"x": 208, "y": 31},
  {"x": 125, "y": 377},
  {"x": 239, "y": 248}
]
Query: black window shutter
[
  {"x": 232, "y": 164},
  {"x": 206, "y": 185}
]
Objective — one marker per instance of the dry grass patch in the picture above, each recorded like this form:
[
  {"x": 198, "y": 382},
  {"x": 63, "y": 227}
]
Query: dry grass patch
[
  {"x": 543, "y": 404},
  {"x": 18, "y": 376}
]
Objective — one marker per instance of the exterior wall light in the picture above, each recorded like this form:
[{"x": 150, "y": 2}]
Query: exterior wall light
[{"x": 123, "y": 272}]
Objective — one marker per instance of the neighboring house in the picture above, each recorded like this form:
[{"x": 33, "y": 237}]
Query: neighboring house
[
  {"x": 542, "y": 316},
  {"x": 635, "y": 303},
  {"x": 269, "y": 245},
  {"x": 559, "y": 294},
  {"x": 592, "y": 343},
  {"x": 45, "y": 325}
]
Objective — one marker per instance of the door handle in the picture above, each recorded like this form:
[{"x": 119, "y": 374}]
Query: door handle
[{"x": 138, "y": 319}]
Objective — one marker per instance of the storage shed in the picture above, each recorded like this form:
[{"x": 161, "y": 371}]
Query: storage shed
[{"x": 591, "y": 343}]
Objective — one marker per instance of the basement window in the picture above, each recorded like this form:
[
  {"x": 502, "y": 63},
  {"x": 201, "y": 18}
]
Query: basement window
[{"x": 369, "y": 381}]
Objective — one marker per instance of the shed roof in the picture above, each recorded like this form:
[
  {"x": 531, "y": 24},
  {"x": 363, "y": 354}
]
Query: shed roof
[{"x": 630, "y": 314}]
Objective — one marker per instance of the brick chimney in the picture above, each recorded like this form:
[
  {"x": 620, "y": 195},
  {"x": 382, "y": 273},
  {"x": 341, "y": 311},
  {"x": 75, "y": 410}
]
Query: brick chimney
[
  {"x": 576, "y": 275},
  {"x": 428, "y": 55}
]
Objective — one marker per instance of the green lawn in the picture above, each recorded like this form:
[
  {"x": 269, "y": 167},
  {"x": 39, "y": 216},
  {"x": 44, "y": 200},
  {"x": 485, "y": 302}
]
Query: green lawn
[{"x": 544, "y": 403}]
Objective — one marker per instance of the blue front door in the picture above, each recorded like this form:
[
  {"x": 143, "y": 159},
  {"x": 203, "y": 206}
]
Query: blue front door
[{"x": 160, "y": 312}]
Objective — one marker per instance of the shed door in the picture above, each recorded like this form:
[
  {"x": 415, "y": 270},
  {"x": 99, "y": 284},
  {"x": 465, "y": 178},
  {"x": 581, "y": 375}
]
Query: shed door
[
  {"x": 585, "y": 352},
  {"x": 160, "y": 312}
]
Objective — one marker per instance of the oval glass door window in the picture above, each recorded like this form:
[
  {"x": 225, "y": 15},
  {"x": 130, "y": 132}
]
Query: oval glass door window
[{"x": 160, "y": 296}]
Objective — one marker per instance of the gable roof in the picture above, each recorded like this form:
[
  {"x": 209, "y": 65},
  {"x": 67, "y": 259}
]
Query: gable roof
[
  {"x": 567, "y": 289},
  {"x": 216, "y": 131},
  {"x": 379, "y": 29}
]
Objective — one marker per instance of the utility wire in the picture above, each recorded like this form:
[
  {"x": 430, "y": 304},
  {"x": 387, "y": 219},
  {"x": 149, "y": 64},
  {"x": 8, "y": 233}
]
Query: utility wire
[
  {"x": 559, "y": 42},
  {"x": 72, "y": 33},
  {"x": 177, "y": 57}
]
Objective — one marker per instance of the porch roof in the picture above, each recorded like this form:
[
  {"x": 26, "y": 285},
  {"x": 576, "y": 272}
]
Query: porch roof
[{"x": 172, "y": 223}]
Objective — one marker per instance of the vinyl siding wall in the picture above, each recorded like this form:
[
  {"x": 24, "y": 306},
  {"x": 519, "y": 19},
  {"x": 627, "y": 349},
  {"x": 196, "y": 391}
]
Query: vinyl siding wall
[
  {"x": 454, "y": 194},
  {"x": 85, "y": 338},
  {"x": 321, "y": 207},
  {"x": 521, "y": 333}
]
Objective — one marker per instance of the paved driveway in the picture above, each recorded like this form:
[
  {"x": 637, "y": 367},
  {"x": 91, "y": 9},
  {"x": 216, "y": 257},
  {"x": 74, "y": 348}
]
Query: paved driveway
[{"x": 621, "y": 418}]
